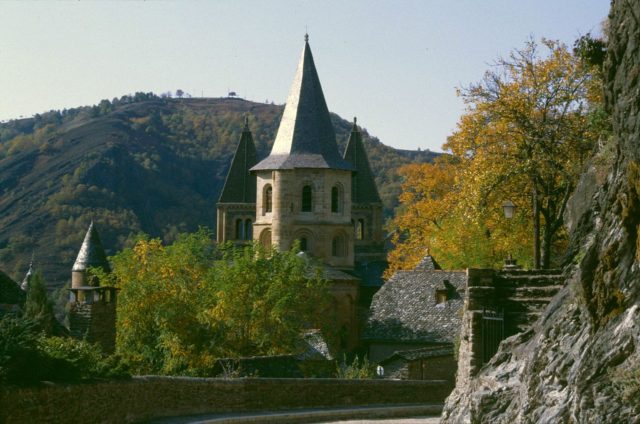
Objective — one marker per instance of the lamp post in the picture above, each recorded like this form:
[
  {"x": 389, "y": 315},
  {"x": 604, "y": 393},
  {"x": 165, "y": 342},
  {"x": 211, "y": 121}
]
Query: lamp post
[{"x": 509, "y": 209}]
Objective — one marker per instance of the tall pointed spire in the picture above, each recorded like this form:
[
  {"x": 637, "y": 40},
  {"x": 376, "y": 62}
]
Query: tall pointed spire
[
  {"x": 363, "y": 183},
  {"x": 91, "y": 252},
  {"x": 26, "y": 281},
  {"x": 240, "y": 185},
  {"x": 305, "y": 138}
]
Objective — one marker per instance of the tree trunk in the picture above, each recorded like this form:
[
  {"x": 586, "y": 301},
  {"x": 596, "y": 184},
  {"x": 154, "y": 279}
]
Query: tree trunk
[
  {"x": 536, "y": 228},
  {"x": 547, "y": 238}
]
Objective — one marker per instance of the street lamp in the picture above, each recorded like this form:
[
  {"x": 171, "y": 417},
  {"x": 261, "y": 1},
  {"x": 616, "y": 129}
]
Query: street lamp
[{"x": 509, "y": 208}]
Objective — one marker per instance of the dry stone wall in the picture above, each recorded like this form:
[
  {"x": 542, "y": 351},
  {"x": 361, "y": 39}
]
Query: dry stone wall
[{"x": 145, "y": 398}]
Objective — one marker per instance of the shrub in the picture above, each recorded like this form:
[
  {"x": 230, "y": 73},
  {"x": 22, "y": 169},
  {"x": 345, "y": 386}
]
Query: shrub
[
  {"x": 27, "y": 356},
  {"x": 356, "y": 369}
]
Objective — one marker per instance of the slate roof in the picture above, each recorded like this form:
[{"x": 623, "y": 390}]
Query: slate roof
[
  {"x": 427, "y": 263},
  {"x": 363, "y": 184},
  {"x": 10, "y": 292},
  {"x": 305, "y": 138},
  {"x": 422, "y": 353},
  {"x": 405, "y": 309},
  {"x": 91, "y": 252},
  {"x": 240, "y": 185}
]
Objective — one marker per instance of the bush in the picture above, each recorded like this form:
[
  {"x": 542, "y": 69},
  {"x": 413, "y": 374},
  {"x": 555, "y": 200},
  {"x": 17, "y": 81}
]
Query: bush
[
  {"x": 27, "y": 356},
  {"x": 355, "y": 370}
]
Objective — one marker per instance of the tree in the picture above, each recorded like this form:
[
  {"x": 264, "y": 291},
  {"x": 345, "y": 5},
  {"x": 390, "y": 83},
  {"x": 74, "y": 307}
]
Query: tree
[
  {"x": 38, "y": 308},
  {"x": 184, "y": 305},
  {"x": 179, "y": 93},
  {"x": 526, "y": 134}
]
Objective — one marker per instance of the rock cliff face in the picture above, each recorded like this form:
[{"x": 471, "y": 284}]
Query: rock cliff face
[{"x": 580, "y": 363}]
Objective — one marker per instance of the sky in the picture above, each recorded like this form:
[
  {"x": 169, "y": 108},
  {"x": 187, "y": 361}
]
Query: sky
[{"x": 395, "y": 64}]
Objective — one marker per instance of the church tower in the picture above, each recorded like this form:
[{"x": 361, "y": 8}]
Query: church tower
[
  {"x": 237, "y": 203},
  {"x": 304, "y": 185},
  {"x": 366, "y": 205}
]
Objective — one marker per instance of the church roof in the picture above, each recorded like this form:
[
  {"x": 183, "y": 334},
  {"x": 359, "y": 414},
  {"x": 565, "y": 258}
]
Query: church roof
[
  {"x": 405, "y": 308},
  {"x": 427, "y": 263},
  {"x": 10, "y": 292},
  {"x": 305, "y": 138},
  {"x": 363, "y": 184},
  {"x": 240, "y": 185},
  {"x": 91, "y": 252}
]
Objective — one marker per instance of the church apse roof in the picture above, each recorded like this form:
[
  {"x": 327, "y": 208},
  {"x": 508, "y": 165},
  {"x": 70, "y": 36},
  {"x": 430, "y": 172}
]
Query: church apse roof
[
  {"x": 240, "y": 185},
  {"x": 363, "y": 183},
  {"x": 305, "y": 138}
]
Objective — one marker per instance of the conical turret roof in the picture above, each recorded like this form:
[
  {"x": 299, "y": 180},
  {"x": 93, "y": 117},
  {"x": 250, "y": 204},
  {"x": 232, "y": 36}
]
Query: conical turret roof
[
  {"x": 26, "y": 281},
  {"x": 363, "y": 183},
  {"x": 91, "y": 252},
  {"x": 240, "y": 185},
  {"x": 305, "y": 138}
]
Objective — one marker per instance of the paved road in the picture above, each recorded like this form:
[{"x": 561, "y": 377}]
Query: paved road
[
  {"x": 424, "y": 414},
  {"x": 425, "y": 420}
]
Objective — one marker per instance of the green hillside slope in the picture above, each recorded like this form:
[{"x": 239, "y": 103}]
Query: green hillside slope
[{"x": 136, "y": 164}]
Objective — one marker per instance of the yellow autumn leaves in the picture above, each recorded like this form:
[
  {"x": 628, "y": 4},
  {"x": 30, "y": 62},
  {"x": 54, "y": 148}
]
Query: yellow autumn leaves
[{"x": 524, "y": 137}]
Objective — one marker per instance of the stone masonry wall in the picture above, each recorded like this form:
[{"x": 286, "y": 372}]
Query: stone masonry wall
[
  {"x": 95, "y": 322},
  {"x": 145, "y": 398},
  {"x": 521, "y": 295}
]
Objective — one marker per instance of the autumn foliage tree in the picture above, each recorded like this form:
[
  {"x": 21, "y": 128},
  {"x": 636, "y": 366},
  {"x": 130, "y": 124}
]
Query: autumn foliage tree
[
  {"x": 184, "y": 305},
  {"x": 529, "y": 126}
]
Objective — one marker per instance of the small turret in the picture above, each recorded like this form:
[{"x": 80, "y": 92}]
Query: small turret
[
  {"x": 92, "y": 310},
  {"x": 91, "y": 255}
]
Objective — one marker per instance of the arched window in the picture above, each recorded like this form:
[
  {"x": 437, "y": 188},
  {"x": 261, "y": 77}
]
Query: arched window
[
  {"x": 239, "y": 229},
  {"x": 307, "y": 199},
  {"x": 338, "y": 246},
  {"x": 267, "y": 199},
  {"x": 336, "y": 199},
  {"x": 360, "y": 229},
  {"x": 265, "y": 238},
  {"x": 248, "y": 229},
  {"x": 304, "y": 246}
]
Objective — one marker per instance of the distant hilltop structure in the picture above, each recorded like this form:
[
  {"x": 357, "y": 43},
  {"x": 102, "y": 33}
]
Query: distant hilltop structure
[{"x": 305, "y": 191}]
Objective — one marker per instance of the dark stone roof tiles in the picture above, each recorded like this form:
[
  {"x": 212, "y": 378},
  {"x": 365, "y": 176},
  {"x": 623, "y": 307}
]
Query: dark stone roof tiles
[
  {"x": 363, "y": 183},
  {"x": 405, "y": 308},
  {"x": 91, "y": 252},
  {"x": 240, "y": 185},
  {"x": 421, "y": 353},
  {"x": 305, "y": 138}
]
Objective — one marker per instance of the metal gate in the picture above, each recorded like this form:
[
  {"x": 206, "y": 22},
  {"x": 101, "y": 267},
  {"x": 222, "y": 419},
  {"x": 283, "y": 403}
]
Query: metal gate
[{"x": 492, "y": 333}]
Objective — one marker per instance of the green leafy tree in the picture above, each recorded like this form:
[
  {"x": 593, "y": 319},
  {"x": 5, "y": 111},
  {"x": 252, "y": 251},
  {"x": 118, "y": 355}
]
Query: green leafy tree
[
  {"x": 38, "y": 308},
  {"x": 184, "y": 305}
]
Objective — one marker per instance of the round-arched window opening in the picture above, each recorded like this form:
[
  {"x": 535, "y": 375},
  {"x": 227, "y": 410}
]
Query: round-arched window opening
[
  {"x": 267, "y": 199},
  {"x": 307, "y": 199}
]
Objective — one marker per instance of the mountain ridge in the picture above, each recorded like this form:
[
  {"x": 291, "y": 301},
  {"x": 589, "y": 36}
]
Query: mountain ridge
[{"x": 138, "y": 164}]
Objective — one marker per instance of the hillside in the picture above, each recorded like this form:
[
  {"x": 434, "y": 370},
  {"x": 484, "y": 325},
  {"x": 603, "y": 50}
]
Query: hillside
[{"x": 139, "y": 164}]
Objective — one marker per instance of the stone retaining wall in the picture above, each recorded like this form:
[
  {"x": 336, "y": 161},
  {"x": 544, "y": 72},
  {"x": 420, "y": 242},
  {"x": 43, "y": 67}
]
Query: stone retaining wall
[{"x": 144, "y": 398}]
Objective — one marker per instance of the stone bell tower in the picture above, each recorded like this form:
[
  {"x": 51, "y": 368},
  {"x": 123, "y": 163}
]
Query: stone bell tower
[{"x": 304, "y": 185}]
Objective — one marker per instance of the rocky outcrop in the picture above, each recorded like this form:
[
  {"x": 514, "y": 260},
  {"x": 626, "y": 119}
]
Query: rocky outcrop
[{"x": 580, "y": 362}]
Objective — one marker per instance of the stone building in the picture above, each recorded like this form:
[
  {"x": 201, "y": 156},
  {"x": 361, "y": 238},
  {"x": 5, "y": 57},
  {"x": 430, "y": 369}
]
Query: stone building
[
  {"x": 305, "y": 191},
  {"x": 92, "y": 306},
  {"x": 414, "y": 321}
]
